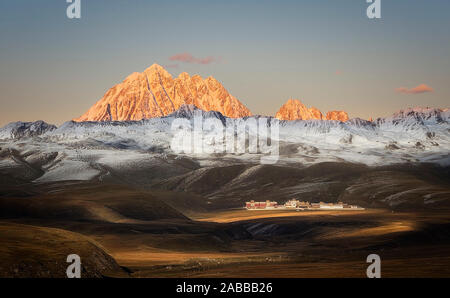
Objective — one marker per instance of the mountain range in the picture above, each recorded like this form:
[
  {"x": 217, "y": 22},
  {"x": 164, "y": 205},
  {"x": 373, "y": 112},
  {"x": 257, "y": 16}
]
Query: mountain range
[
  {"x": 131, "y": 128},
  {"x": 412, "y": 135},
  {"x": 387, "y": 161},
  {"x": 155, "y": 93},
  {"x": 294, "y": 109}
]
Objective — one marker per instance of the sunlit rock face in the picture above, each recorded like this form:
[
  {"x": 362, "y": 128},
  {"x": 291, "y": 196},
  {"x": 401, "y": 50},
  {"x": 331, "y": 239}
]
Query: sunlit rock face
[
  {"x": 294, "y": 109},
  {"x": 155, "y": 93},
  {"x": 337, "y": 115}
]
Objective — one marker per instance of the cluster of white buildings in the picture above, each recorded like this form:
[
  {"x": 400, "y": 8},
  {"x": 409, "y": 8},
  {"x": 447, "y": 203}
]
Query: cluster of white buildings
[{"x": 299, "y": 205}]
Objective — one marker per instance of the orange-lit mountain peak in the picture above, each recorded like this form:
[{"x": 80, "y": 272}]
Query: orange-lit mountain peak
[{"x": 155, "y": 93}]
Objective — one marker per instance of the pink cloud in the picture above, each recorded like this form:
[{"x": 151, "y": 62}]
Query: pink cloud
[
  {"x": 422, "y": 88},
  {"x": 188, "y": 58}
]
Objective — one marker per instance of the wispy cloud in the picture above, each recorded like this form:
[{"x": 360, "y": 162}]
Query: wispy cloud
[
  {"x": 422, "y": 88},
  {"x": 188, "y": 58}
]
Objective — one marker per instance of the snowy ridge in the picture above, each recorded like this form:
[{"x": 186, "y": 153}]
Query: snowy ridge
[
  {"x": 18, "y": 130},
  {"x": 413, "y": 135}
]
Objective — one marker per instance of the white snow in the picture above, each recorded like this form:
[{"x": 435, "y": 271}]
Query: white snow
[{"x": 413, "y": 135}]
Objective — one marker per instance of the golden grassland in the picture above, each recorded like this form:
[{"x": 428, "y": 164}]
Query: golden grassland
[
  {"x": 332, "y": 251},
  {"x": 112, "y": 226},
  {"x": 243, "y": 214}
]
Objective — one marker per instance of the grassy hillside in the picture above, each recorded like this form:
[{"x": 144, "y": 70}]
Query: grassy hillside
[{"x": 29, "y": 251}]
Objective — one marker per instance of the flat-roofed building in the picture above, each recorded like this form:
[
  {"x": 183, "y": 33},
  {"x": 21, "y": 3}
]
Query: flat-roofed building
[{"x": 261, "y": 205}]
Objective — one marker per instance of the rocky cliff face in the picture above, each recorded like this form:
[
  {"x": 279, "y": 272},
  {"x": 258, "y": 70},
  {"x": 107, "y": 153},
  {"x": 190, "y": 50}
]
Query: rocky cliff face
[
  {"x": 155, "y": 93},
  {"x": 294, "y": 109},
  {"x": 337, "y": 115}
]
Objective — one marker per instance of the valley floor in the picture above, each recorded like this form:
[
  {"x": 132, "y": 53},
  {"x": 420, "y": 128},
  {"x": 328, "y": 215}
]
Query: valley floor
[
  {"x": 136, "y": 233},
  {"x": 334, "y": 245}
]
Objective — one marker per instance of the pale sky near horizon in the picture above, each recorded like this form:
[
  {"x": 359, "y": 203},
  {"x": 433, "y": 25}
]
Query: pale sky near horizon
[{"x": 326, "y": 53}]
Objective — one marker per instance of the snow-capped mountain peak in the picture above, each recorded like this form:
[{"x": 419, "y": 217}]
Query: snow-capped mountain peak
[{"x": 18, "y": 130}]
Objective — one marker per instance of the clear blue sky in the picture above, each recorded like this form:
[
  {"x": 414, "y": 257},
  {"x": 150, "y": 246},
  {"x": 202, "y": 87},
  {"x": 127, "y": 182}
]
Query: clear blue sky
[{"x": 326, "y": 53}]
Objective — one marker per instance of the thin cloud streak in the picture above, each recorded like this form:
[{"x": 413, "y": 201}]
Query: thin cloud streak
[
  {"x": 422, "y": 88},
  {"x": 189, "y": 58}
]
